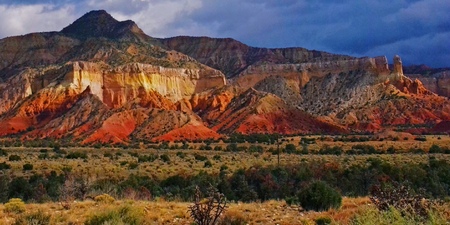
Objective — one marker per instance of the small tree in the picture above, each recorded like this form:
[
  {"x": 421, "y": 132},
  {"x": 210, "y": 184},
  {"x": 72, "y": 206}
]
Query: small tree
[
  {"x": 319, "y": 196},
  {"x": 207, "y": 211}
]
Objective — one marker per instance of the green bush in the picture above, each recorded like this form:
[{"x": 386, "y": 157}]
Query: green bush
[
  {"x": 124, "y": 215},
  {"x": 132, "y": 165},
  {"x": 27, "y": 166},
  {"x": 232, "y": 147},
  {"x": 15, "y": 205},
  {"x": 165, "y": 158},
  {"x": 435, "y": 149},
  {"x": 3, "y": 152},
  {"x": 199, "y": 157},
  {"x": 4, "y": 166},
  {"x": 207, "y": 164},
  {"x": 182, "y": 155},
  {"x": 319, "y": 196},
  {"x": 323, "y": 221},
  {"x": 146, "y": 158},
  {"x": 290, "y": 148},
  {"x": 77, "y": 155},
  {"x": 14, "y": 158}
]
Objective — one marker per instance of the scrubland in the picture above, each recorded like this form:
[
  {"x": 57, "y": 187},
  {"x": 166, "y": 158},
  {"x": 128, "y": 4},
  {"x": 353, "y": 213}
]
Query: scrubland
[{"x": 154, "y": 183}]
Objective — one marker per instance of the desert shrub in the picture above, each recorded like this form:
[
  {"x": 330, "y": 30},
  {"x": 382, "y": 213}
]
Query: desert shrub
[
  {"x": 132, "y": 165},
  {"x": 108, "y": 155},
  {"x": 391, "y": 150},
  {"x": 4, "y": 166},
  {"x": 217, "y": 157},
  {"x": 323, "y": 221},
  {"x": 255, "y": 148},
  {"x": 182, "y": 155},
  {"x": 3, "y": 152},
  {"x": 319, "y": 196},
  {"x": 327, "y": 150},
  {"x": 14, "y": 158},
  {"x": 421, "y": 138},
  {"x": 362, "y": 149},
  {"x": 206, "y": 147},
  {"x": 124, "y": 215},
  {"x": 43, "y": 156},
  {"x": 304, "y": 150},
  {"x": 15, "y": 205},
  {"x": 207, "y": 164},
  {"x": 77, "y": 155},
  {"x": 232, "y": 147},
  {"x": 290, "y": 148},
  {"x": 165, "y": 158},
  {"x": 146, "y": 158},
  {"x": 35, "y": 218},
  {"x": 199, "y": 157},
  {"x": 435, "y": 149},
  {"x": 104, "y": 198},
  {"x": 27, "y": 166}
]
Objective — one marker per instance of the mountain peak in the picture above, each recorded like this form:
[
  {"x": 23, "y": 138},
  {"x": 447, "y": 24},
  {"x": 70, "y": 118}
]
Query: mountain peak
[{"x": 99, "y": 23}]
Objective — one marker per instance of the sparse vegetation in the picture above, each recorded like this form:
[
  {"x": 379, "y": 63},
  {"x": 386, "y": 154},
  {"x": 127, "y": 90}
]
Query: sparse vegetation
[{"x": 249, "y": 174}]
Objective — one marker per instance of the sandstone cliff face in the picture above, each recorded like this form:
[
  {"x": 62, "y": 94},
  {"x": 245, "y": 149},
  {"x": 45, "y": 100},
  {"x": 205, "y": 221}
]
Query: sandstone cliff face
[
  {"x": 438, "y": 83},
  {"x": 118, "y": 85}
]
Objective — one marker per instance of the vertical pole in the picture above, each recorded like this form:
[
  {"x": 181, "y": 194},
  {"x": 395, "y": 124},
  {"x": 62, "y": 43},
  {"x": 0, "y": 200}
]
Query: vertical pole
[{"x": 278, "y": 150}]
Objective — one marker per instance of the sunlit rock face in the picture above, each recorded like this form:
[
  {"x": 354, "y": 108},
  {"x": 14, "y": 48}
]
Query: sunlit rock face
[{"x": 118, "y": 85}]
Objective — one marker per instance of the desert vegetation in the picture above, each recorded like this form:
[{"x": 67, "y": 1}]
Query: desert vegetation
[{"x": 290, "y": 175}]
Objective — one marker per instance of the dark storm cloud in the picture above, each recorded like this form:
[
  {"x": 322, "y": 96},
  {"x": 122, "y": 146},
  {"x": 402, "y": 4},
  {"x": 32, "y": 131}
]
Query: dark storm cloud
[{"x": 418, "y": 30}]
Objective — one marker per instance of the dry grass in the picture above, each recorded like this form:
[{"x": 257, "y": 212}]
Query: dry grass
[{"x": 162, "y": 212}]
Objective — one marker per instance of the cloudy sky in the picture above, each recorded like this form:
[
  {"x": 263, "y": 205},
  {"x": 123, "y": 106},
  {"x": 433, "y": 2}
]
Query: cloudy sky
[{"x": 417, "y": 30}]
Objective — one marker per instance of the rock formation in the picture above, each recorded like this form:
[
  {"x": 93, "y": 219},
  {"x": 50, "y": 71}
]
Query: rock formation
[{"x": 101, "y": 80}]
